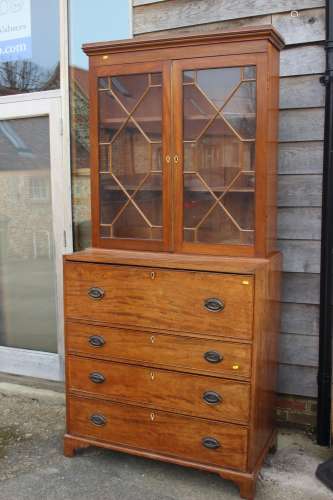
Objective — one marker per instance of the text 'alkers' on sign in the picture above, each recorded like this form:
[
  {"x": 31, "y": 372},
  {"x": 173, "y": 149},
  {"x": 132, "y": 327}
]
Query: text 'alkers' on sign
[{"x": 15, "y": 30}]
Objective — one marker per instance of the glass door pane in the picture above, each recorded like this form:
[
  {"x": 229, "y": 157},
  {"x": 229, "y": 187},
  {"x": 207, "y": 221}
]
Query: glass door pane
[
  {"x": 130, "y": 157},
  {"x": 27, "y": 262},
  {"x": 219, "y": 128}
]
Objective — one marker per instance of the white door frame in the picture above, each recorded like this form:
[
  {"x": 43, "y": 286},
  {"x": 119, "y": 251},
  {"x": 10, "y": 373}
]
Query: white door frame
[{"x": 24, "y": 361}]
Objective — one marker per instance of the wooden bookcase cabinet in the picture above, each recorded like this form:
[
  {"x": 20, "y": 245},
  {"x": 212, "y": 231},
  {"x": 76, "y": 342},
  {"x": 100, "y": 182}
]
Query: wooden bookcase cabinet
[{"x": 179, "y": 294}]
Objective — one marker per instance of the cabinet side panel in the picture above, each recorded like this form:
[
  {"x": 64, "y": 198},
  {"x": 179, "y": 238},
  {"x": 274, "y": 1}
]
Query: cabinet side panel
[
  {"x": 273, "y": 116},
  {"x": 265, "y": 356},
  {"x": 94, "y": 156}
]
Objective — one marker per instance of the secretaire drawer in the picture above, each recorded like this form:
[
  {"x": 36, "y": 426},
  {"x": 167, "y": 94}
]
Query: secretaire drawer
[
  {"x": 190, "y": 438},
  {"x": 178, "y": 352},
  {"x": 201, "y": 302},
  {"x": 207, "y": 397}
]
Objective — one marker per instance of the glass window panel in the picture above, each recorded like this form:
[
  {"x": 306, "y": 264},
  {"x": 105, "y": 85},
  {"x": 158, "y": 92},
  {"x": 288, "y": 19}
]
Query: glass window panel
[
  {"x": 103, "y": 83},
  {"x": 157, "y": 233},
  {"x": 190, "y": 151},
  {"x": 156, "y": 79},
  {"x": 218, "y": 83},
  {"x": 149, "y": 199},
  {"x": 88, "y": 22},
  {"x": 131, "y": 224},
  {"x": 27, "y": 262},
  {"x": 148, "y": 114},
  {"x": 130, "y": 156},
  {"x": 189, "y": 235},
  {"x": 197, "y": 200},
  {"x": 249, "y": 73},
  {"x": 105, "y": 231},
  {"x": 240, "y": 111},
  {"x": 218, "y": 155},
  {"x": 133, "y": 190},
  {"x": 112, "y": 198},
  {"x": 242, "y": 182},
  {"x": 197, "y": 112},
  {"x": 218, "y": 228},
  {"x": 188, "y": 77},
  {"x": 218, "y": 196},
  {"x": 247, "y": 237},
  {"x": 111, "y": 116},
  {"x": 104, "y": 158},
  {"x": 248, "y": 156},
  {"x": 30, "y": 62},
  {"x": 156, "y": 157},
  {"x": 240, "y": 205},
  {"x": 129, "y": 89}
]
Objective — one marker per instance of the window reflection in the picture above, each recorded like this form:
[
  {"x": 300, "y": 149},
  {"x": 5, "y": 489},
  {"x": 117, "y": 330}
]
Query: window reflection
[
  {"x": 27, "y": 265},
  {"x": 219, "y": 145},
  {"x": 40, "y": 70},
  {"x": 88, "y": 24}
]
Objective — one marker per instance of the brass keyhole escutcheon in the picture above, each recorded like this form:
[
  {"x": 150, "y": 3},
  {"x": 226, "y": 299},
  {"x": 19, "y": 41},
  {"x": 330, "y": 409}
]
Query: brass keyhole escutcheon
[
  {"x": 152, "y": 416},
  {"x": 152, "y": 375},
  {"x": 152, "y": 339},
  {"x": 168, "y": 158},
  {"x": 153, "y": 275},
  {"x": 235, "y": 367},
  {"x": 176, "y": 158}
]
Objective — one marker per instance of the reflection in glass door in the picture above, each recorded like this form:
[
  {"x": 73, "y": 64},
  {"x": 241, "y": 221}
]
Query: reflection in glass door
[
  {"x": 28, "y": 313},
  {"x": 219, "y": 161},
  {"x": 35, "y": 223}
]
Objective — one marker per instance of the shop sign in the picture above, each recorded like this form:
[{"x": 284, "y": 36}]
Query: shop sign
[{"x": 15, "y": 30}]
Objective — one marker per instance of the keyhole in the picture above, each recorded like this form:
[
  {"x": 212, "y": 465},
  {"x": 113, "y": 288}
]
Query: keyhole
[
  {"x": 152, "y": 375},
  {"x": 152, "y": 339},
  {"x": 152, "y": 416},
  {"x": 152, "y": 275}
]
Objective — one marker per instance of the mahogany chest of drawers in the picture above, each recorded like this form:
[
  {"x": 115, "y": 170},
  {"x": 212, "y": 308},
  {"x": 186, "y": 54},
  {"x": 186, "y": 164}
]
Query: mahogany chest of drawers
[
  {"x": 170, "y": 362},
  {"x": 172, "y": 317}
]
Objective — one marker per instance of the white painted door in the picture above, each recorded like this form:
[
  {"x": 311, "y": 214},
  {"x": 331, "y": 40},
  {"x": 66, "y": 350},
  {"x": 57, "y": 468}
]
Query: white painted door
[{"x": 35, "y": 217}]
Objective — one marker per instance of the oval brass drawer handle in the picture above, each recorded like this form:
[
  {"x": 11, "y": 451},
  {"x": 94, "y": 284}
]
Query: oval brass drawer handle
[
  {"x": 213, "y": 357},
  {"x": 98, "y": 420},
  {"x": 96, "y": 293},
  {"x": 96, "y": 341},
  {"x": 212, "y": 397},
  {"x": 97, "y": 378},
  {"x": 210, "y": 443},
  {"x": 214, "y": 305}
]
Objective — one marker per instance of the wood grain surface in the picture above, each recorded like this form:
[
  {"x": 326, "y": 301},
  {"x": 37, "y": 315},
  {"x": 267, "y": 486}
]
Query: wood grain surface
[
  {"x": 160, "y": 431},
  {"x": 161, "y": 389},
  {"x": 160, "y": 350},
  {"x": 163, "y": 299}
]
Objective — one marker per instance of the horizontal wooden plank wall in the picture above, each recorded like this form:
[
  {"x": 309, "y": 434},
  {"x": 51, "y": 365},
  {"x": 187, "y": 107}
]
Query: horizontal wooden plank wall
[{"x": 301, "y": 130}]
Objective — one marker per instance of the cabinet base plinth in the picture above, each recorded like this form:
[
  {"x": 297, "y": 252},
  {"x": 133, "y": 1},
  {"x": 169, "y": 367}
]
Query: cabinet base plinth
[{"x": 244, "y": 480}]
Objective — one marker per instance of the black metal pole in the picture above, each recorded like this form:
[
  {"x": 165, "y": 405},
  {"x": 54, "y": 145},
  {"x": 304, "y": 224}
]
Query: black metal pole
[{"x": 326, "y": 302}]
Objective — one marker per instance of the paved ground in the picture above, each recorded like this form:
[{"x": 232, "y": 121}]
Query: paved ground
[{"x": 32, "y": 465}]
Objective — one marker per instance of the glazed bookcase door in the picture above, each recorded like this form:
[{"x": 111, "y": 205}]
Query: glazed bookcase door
[
  {"x": 217, "y": 181},
  {"x": 130, "y": 186}
]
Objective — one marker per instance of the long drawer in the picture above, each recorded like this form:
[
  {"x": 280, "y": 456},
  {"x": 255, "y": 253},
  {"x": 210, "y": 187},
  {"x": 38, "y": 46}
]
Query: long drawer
[
  {"x": 200, "y": 302},
  {"x": 207, "y": 397},
  {"x": 189, "y": 438},
  {"x": 178, "y": 352}
]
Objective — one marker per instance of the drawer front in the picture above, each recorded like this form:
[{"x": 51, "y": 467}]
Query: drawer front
[
  {"x": 218, "y": 304},
  {"x": 160, "y": 432},
  {"x": 184, "y": 353},
  {"x": 208, "y": 397}
]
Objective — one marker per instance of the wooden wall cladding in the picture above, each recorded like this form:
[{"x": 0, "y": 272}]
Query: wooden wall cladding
[
  {"x": 170, "y": 14},
  {"x": 300, "y": 148}
]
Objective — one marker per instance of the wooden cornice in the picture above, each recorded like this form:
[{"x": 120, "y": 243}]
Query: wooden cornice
[{"x": 266, "y": 32}]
